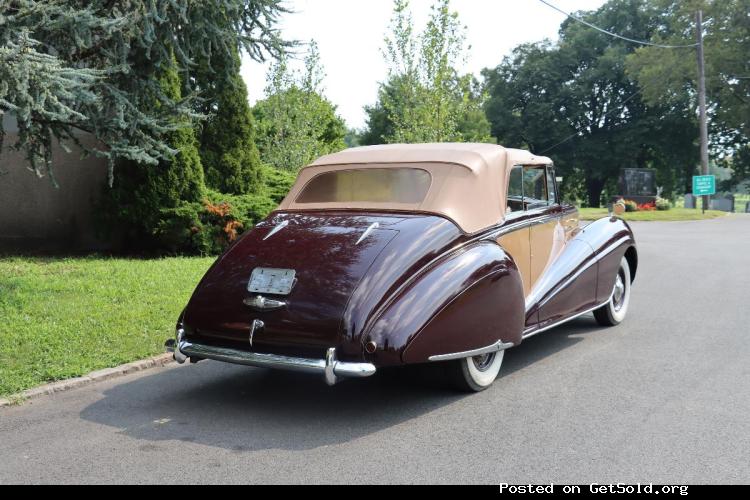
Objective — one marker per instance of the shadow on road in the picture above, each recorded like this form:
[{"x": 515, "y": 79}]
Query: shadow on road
[
  {"x": 548, "y": 343},
  {"x": 242, "y": 409}
]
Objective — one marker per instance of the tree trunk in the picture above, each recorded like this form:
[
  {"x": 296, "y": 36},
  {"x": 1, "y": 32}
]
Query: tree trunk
[{"x": 594, "y": 189}]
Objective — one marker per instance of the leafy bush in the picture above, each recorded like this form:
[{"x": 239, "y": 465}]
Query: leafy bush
[
  {"x": 204, "y": 223},
  {"x": 663, "y": 205},
  {"x": 630, "y": 205},
  {"x": 277, "y": 183},
  {"x": 209, "y": 227}
]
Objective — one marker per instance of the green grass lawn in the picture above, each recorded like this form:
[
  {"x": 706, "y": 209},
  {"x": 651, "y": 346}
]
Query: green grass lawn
[
  {"x": 675, "y": 214},
  {"x": 62, "y": 318}
]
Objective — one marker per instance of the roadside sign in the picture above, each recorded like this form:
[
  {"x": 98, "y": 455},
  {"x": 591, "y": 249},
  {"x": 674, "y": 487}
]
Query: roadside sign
[{"x": 704, "y": 185}]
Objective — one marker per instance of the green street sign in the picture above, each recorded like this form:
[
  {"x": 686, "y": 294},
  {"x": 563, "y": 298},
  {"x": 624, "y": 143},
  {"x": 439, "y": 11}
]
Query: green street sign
[{"x": 704, "y": 185}]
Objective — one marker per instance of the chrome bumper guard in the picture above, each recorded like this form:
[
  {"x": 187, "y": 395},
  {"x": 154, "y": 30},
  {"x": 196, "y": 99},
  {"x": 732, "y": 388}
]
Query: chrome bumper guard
[{"x": 330, "y": 367}]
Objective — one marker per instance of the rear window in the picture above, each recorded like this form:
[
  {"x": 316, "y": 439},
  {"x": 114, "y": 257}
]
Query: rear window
[{"x": 368, "y": 185}]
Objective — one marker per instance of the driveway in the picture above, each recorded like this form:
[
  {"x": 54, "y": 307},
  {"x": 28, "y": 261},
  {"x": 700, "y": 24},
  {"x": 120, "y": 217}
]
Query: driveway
[{"x": 664, "y": 397}]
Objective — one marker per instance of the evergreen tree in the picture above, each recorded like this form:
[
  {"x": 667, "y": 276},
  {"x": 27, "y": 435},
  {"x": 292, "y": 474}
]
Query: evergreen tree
[
  {"x": 141, "y": 193},
  {"x": 71, "y": 65},
  {"x": 227, "y": 138}
]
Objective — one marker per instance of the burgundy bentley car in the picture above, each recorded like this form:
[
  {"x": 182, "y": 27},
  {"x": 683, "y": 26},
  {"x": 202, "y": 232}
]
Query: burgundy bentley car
[{"x": 394, "y": 255}]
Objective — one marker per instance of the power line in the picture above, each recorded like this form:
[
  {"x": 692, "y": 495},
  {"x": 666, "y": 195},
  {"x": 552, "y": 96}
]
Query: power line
[{"x": 641, "y": 42}]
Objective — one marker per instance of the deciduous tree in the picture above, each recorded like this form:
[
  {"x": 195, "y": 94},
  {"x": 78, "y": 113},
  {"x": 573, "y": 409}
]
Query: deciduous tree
[
  {"x": 296, "y": 123},
  {"x": 573, "y": 101},
  {"x": 424, "y": 98},
  {"x": 666, "y": 76}
]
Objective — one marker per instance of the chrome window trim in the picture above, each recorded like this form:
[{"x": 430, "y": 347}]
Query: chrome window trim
[
  {"x": 535, "y": 220},
  {"x": 546, "y": 167}
]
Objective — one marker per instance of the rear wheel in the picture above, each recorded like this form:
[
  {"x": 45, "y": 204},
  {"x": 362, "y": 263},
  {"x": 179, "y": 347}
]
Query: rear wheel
[
  {"x": 477, "y": 373},
  {"x": 613, "y": 312}
]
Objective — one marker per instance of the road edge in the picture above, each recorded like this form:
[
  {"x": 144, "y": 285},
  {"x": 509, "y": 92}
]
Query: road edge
[{"x": 91, "y": 378}]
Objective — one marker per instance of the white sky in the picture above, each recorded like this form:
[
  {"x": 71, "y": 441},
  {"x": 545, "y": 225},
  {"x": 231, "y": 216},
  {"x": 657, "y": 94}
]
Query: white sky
[{"x": 350, "y": 37}]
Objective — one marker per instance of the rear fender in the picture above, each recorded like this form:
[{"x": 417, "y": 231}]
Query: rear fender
[{"x": 466, "y": 301}]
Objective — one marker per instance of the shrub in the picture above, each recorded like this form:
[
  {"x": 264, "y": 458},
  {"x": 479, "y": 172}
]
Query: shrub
[
  {"x": 647, "y": 207},
  {"x": 277, "y": 182},
  {"x": 209, "y": 227},
  {"x": 662, "y": 204},
  {"x": 630, "y": 206}
]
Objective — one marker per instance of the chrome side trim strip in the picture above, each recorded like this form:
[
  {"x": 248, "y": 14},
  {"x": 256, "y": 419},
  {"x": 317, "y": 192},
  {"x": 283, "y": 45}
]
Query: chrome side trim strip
[
  {"x": 563, "y": 321},
  {"x": 497, "y": 346},
  {"x": 614, "y": 246},
  {"x": 367, "y": 233},
  {"x": 330, "y": 368},
  {"x": 276, "y": 229},
  {"x": 515, "y": 226}
]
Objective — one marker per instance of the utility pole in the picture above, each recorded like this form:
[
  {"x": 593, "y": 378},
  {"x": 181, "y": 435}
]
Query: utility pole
[{"x": 702, "y": 102}]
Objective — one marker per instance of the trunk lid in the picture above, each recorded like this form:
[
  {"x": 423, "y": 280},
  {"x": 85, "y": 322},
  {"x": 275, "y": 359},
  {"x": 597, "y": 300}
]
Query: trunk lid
[{"x": 330, "y": 257}]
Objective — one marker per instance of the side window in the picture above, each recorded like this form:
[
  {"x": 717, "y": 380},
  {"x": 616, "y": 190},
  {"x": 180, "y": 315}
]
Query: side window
[
  {"x": 535, "y": 187},
  {"x": 515, "y": 190},
  {"x": 551, "y": 186}
]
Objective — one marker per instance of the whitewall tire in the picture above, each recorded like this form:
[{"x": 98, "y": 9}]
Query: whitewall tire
[
  {"x": 477, "y": 373},
  {"x": 613, "y": 312}
]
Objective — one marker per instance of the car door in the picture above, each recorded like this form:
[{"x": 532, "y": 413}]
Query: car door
[
  {"x": 517, "y": 241},
  {"x": 547, "y": 235},
  {"x": 567, "y": 253}
]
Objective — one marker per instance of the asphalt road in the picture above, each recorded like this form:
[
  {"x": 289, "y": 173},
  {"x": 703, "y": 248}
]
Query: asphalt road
[{"x": 664, "y": 397}]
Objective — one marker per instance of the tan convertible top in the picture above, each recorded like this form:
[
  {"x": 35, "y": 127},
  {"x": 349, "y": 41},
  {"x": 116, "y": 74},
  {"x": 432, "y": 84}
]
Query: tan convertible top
[{"x": 469, "y": 181}]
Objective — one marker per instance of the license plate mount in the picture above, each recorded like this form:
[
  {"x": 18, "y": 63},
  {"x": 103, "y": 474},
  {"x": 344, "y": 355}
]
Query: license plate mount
[{"x": 272, "y": 281}]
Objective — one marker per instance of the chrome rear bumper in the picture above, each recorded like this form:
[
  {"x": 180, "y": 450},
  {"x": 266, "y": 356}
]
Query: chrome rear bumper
[{"x": 330, "y": 367}]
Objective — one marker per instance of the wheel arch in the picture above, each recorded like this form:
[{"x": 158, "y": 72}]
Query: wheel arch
[
  {"x": 467, "y": 300},
  {"x": 632, "y": 255}
]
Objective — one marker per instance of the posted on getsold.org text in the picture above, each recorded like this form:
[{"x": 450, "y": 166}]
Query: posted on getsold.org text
[{"x": 593, "y": 489}]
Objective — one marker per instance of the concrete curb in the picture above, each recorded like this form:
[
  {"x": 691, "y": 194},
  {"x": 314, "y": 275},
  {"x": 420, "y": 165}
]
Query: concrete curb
[{"x": 93, "y": 377}]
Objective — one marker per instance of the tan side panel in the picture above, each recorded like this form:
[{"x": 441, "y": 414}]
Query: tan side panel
[
  {"x": 571, "y": 224},
  {"x": 547, "y": 243},
  {"x": 517, "y": 244}
]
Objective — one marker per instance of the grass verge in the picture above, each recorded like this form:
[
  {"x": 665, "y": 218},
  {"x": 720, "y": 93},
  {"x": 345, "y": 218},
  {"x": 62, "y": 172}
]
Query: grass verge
[
  {"x": 675, "y": 214},
  {"x": 63, "y": 318}
]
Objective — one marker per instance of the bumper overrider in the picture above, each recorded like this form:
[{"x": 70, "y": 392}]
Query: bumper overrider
[{"x": 331, "y": 368}]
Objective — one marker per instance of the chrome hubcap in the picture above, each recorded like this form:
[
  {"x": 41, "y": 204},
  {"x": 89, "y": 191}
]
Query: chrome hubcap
[
  {"x": 619, "y": 292},
  {"x": 483, "y": 362}
]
